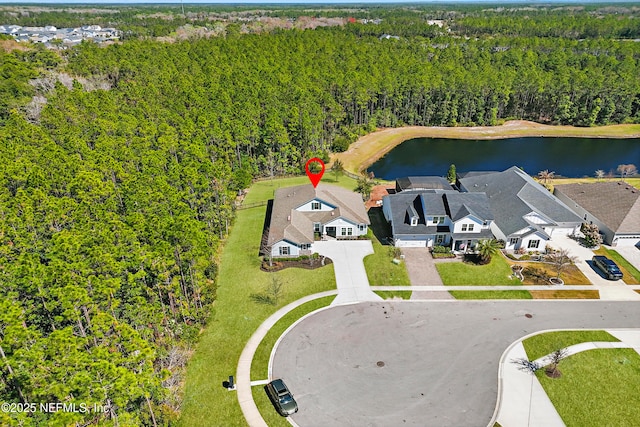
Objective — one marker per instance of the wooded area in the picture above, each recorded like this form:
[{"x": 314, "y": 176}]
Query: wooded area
[{"x": 120, "y": 166}]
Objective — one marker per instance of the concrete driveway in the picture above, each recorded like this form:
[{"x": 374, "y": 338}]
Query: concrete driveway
[
  {"x": 630, "y": 253},
  {"x": 418, "y": 363},
  {"x": 609, "y": 289},
  {"x": 421, "y": 269},
  {"x": 351, "y": 277}
]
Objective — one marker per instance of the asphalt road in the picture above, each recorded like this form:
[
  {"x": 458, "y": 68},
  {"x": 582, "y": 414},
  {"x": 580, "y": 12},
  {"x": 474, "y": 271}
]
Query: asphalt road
[{"x": 418, "y": 363}]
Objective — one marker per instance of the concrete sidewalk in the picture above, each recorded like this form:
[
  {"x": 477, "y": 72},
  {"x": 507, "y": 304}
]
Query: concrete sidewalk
[
  {"x": 351, "y": 277},
  {"x": 522, "y": 402},
  {"x": 609, "y": 289}
]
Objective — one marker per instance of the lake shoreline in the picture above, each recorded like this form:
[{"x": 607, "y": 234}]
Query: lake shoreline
[{"x": 369, "y": 148}]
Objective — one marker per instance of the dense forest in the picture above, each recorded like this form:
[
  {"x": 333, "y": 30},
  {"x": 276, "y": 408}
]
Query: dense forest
[{"x": 120, "y": 165}]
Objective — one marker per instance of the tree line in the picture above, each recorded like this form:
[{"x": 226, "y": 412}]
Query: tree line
[{"x": 121, "y": 165}]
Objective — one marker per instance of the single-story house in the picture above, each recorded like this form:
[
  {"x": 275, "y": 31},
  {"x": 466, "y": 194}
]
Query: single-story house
[
  {"x": 438, "y": 217},
  {"x": 613, "y": 206},
  {"x": 526, "y": 214},
  {"x": 301, "y": 214}
]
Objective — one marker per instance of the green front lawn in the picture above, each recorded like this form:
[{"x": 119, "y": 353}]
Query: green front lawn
[
  {"x": 597, "y": 388},
  {"x": 380, "y": 268},
  {"x": 631, "y": 274},
  {"x": 236, "y": 316},
  {"x": 491, "y": 294},
  {"x": 495, "y": 273},
  {"x": 548, "y": 342}
]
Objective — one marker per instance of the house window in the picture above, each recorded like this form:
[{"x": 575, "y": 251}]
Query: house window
[
  {"x": 305, "y": 246},
  {"x": 485, "y": 222},
  {"x": 414, "y": 221},
  {"x": 315, "y": 206},
  {"x": 533, "y": 244},
  {"x": 439, "y": 239},
  {"x": 316, "y": 227},
  {"x": 349, "y": 231},
  {"x": 284, "y": 250},
  {"x": 362, "y": 227},
  {"x": 438, "y": 220},
  {"x": 470, "y": 227},
  {"x": 513, "y": 241},
  {"x": 467, "y": 227}
]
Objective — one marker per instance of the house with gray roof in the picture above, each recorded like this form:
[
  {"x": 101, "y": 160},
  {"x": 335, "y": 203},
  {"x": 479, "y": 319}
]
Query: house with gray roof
[
  {"x": 613, "y": 206},
  {"x": 301, "y": 214},
  {"x": 426, "y": 218},
  {"x": 422, "y": 183},
  {"x": 526, "y": 214}
]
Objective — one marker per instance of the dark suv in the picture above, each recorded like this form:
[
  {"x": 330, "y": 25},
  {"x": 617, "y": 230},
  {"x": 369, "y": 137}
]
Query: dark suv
[
  {"x": 608, "y": 267},
  {"x": 281, "y": 398}
]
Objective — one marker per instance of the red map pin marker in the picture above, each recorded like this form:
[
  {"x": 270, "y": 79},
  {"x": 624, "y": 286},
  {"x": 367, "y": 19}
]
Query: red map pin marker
[{"x": 314, "y": 177}]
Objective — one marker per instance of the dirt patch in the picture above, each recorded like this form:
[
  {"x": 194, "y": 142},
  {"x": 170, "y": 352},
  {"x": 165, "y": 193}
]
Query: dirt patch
[
  {"x": 377, "y": 193},
  {"x": 281, "y": 265}
]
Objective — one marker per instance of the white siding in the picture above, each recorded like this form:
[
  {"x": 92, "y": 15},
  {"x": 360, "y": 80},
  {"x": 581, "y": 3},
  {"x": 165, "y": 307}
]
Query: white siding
[
  {"x": 323, "y": 207},
  {"x": 340, "y": 224},
  {"x": 524, "y": 242},
  {"x": 294, "y": 251},
  {"x": 477, "y": 225}
]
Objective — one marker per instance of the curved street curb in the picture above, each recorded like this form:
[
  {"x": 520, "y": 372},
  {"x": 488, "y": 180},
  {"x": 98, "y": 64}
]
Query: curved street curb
[
  {"x": 498, "y": 407},
  {"x": 243, "y": 371}
]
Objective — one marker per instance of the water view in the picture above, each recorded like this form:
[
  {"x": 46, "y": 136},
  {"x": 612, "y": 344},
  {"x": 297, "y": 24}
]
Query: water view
[{"x": 569, "y": 157}]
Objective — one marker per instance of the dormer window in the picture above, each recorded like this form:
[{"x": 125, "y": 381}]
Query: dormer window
[
  {"x": 414, "y": 221},
  {"x": 315, "y": 206}
]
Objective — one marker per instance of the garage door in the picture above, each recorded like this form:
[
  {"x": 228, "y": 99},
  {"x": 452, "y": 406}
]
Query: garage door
[
  {"x": 562, "y": 231},
  {"x": 627, "y": 241},
  {"x": 411, "y": 243}
]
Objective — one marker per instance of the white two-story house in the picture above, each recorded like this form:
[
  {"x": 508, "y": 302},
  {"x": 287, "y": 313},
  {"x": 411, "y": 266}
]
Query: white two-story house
[
  {"x": 302, "y": 214},
  {"x": 438, "y": 217}
]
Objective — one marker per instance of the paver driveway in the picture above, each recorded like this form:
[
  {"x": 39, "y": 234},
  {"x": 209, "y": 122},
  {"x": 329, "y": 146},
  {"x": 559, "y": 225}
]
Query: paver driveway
[
  {"x": 421, "y": 269},
  {"x": 418, "y": 363}
]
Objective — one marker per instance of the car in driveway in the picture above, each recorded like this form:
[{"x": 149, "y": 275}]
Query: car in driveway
[
  {"x": 608, "y": 267},
  {"x": 281, "y": 397}
]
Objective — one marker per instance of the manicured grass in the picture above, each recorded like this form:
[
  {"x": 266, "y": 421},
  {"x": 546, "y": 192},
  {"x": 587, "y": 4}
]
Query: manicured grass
[
  {"x": 597, "y": 388},
  {"x": 491, "y": 294},
  {"x": 495, "y": 273},
  {"x": 548, "y": 342},
  {"x": 565, "y": 294},
  {"x": 631, "y": 274},
  {"x": 381, "y": 271},
  {"x": 260, "y": 364},
  {"x": 394, "y": 294},
  {"x": 235, "y": 316},
  {"x": 571, "y": 275}
]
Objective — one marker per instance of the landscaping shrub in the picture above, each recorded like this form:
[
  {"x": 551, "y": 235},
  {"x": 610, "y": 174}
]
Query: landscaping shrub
[{"x": 441, "y": 250}]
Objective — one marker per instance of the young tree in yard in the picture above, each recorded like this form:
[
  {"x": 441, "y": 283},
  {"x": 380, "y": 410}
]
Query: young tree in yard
[
  {"x": 451, "y": 174},
  {"x": 338, "y": 169},
  {"x": 365, "y": 184},
  {"x": 592, "y": 236},
  {"x": 555, "y": 358},
  {"x": 600, "y": 174},
  {"x": 627, "y": 170},
  {"x": 560, "y": 260},
  {"x": 487, "y": 248}
]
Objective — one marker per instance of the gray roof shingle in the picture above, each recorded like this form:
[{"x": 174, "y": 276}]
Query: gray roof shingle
[
  {"x": 513, "y": 194},
  {"x": 297, "y": 227},
  {"x": 616, "y": 204}
]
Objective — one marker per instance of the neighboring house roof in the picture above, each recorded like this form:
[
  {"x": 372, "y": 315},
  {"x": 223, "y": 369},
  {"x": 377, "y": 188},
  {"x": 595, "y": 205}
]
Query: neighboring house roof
[
  {"x": 434, "y": 203},
  {"x": 422, "y": 183},
  {"x": 615, "y": 204},
  {"x": 297, "y": 227},
  {"x": 513, "y": 194}
]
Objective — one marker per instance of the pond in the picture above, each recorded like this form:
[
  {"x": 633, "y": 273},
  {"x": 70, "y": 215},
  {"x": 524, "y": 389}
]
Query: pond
[{"x": 568, "y": 157}]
